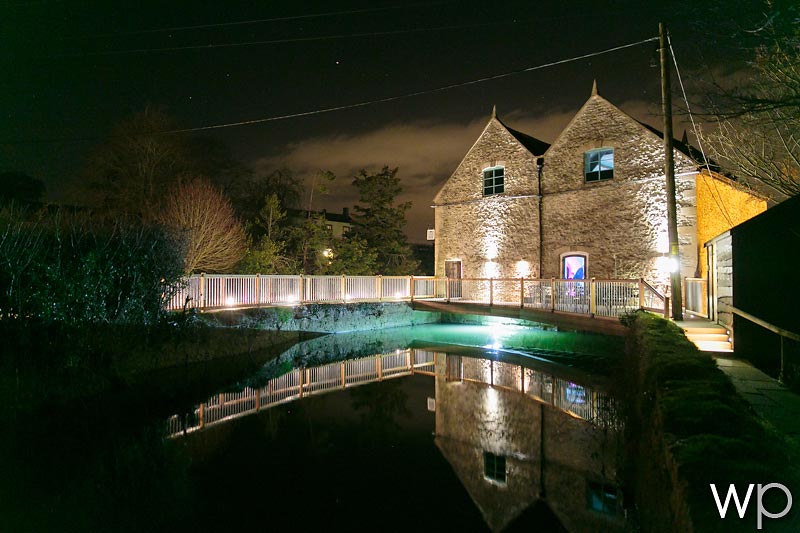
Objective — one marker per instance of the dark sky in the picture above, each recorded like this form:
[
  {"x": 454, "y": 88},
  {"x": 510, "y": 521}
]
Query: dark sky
[{"x": 71, "y": 71}]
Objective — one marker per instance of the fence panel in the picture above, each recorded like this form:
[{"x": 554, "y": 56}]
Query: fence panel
[
  {"x": 361, "y": 288},
  {"x": 538, "y": 294},
  {"x": 571, "y": 296},
  {"x": 323, "y": 289},
  {"x": 613, "y": 298},
  {"x": 395, "y": 287}
]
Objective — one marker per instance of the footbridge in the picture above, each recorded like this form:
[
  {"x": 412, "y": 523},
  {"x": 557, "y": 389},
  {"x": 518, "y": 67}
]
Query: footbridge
[{"x": 588, "y": 305}]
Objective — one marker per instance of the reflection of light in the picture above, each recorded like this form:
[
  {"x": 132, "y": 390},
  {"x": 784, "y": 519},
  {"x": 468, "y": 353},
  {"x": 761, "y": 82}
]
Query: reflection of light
[
  {"x": 292, "y": 299},
  {"x": 492, "y": 403},
  {"x": 327, "y": 252},
  {"x": 398, "y": 294},
  {"x": 230, "y": 301},
  {"x": 348, "y": 296},
  {"x": 494, "y": 345},
  {"x": 523, "y": 269}
]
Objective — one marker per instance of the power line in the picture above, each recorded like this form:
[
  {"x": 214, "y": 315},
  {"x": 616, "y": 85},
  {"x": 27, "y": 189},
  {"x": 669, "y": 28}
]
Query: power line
[
  {"x": 720, "y": 203},
  {"x": 281, "y": 41},
  {"x": 254, "y": 21},
  {"x": 355, "y": 105}
]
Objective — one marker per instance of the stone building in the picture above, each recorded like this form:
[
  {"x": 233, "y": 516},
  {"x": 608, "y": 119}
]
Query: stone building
[{"x": 592, "y": 204}]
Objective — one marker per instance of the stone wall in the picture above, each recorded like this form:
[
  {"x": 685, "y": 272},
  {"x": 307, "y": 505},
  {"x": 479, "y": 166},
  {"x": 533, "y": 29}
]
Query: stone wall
[
  {"x": 501, "y": 229},
  {"x": 620, "y": 223},
  {"x": 324, "y": 318}
]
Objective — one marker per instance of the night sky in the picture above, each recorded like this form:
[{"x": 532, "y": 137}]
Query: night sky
[{"x": 71, "y": 71}]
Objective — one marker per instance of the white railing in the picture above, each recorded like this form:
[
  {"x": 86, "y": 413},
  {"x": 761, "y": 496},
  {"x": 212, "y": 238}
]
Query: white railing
[
  {"x": 570, "y": 397},
  {"x": 592, "y": 297},
  {"x": 302, "y": 382},
  {"x": 696, "y": 290}
]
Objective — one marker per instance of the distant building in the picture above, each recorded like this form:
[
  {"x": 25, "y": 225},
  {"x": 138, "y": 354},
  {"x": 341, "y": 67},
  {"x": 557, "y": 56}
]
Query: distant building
[
  {"x": 592, "y": 204},
  {"x": 339, "y": 224}
]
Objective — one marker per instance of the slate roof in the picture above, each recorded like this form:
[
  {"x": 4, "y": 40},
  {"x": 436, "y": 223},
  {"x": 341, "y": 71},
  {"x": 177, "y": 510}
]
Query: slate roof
[{"x": 534, "y": 145}]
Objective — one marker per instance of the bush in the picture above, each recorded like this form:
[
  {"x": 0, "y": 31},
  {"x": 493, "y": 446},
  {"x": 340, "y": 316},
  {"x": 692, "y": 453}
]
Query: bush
[{"x": 72, "y": 268}]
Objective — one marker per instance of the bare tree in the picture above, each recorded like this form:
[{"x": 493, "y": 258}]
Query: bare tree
[
  {"x": 758, "y": 124},
  {"x": 198, "y": 212}
]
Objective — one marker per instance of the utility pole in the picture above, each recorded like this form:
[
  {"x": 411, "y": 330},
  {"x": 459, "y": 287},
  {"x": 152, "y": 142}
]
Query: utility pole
[{"x": 669, "y": 170}]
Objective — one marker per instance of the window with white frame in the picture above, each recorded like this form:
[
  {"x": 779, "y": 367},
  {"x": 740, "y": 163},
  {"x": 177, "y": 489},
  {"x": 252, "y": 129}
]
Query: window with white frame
[
  {"x": 493, "y": 180},
  {"x": 598, "y": 165}
]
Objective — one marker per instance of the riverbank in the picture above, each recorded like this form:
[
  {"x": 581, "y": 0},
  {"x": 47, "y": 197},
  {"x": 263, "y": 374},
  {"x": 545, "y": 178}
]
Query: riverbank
[{"x": 688, "y": 429}]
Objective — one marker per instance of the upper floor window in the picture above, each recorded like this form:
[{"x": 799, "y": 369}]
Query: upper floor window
[
  {"x": 493, "y": 180},
  {"x": 598, "y": 165},
  {"x": 494, "y": 467}
]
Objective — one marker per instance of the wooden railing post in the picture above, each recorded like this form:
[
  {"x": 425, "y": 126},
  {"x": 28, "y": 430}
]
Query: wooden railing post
[
  {"x": 201, "y": 415},
  {"x": 202, "y": 290},
  {"x": 666, "y": 306},
  {"x": 521, "y": 293},
  {"x": 344, "y": 376},
  {"x": 379, "y": 287},
  {"x": 258, "y": 399},
  {"x": 302, "y": 298},
  {"x": 379, "y": 367},
  {"x": 447, "y": 289},
  {"x": 301, "y": 372},
  {"x": 491, "y": 292},
  {"x": 641, "y": 293},
  {"x": 344, "y": 288},
  {"x": 411, "y": 287},
  {"x": 258, "y": 289},
  {"x": 592, "y": 297},
  {"x": 222, "y": 291},
  {"x": 552, "y": 295}
]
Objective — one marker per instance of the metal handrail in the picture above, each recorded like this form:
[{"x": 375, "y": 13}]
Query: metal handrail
[{"x": 784, "y": 333}]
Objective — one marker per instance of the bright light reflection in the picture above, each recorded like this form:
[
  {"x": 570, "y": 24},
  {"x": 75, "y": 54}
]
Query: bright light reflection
[
  {"x": 492, "y": 401},
  {"x": 491, "y": 269},
  {"x": 230, "y": 301},
  {"x": 398, "y": 295},
  {"x": 523, "y": 269}
]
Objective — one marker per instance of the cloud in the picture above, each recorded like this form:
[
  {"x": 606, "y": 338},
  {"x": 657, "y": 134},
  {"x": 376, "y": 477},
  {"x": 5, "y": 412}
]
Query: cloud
[{"x": 426, "y": 154}]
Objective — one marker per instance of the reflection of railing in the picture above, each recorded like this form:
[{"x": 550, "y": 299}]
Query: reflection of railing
[
  {"x": 577, "y": 400},
  {"x": 302, "y": 382},
  {"x": 609, "y": 298},
  {"x": 570, "y": 397},
  {"x": 696, "y": 296}
]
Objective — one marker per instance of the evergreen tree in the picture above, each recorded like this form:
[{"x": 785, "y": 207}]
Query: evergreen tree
[{"x": 380, "y": 223}]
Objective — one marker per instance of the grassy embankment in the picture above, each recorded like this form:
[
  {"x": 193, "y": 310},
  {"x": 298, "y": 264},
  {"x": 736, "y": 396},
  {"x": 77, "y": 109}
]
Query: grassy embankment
[{"x": 689, "y": 428}]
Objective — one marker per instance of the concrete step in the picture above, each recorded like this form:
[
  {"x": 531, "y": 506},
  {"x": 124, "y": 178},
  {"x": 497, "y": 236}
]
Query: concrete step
[
  {"x": 721, "y": 337},
  {"x": 713, "y": 346},
  {"x": 716, "y": 330}
]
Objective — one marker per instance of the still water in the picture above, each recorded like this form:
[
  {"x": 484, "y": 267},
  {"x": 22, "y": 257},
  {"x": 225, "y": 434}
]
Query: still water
[{"x": 410, "y": 429}]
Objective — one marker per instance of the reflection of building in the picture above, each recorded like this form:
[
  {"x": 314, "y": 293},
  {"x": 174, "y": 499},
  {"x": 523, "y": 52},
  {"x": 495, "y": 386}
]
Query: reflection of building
[
  {"x": 518, "y": 456},
  {"x": 592, "y": 204}
]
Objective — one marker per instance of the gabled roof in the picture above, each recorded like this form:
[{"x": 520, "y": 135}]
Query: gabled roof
[
  {"x": 533, "y": 145},
  {"x": 686, "y": 149}
]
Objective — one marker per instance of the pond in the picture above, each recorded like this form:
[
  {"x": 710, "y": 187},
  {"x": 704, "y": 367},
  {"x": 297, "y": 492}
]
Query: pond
[{"x": 468, "y": 427}]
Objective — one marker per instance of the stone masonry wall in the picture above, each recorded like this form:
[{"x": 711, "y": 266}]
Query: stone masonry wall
[
  {"x": 501, "y": 229},
  {"x": 620, "y": 223}
]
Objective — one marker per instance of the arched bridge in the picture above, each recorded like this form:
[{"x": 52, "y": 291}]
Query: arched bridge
[{"x": 590, "y": 305}]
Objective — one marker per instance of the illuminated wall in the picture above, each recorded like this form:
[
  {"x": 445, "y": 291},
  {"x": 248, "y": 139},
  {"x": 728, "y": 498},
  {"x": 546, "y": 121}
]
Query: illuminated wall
[
  {"x": 720, "y": 206},
  {"x": 494, "y": 236}
]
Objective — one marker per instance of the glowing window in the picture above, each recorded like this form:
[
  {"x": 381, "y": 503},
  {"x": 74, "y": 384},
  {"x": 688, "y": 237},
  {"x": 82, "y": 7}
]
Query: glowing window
[
  {"x": 494, "y": 467},
  {"x": 601, "y": 498},
  {"x": 573, "y": 267},
  {"x": 493, "y": 181},
  {"x": 598, "y": 165}
]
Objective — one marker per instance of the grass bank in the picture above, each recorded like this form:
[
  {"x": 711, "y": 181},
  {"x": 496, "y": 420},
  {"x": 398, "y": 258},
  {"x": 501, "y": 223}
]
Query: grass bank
[{"x": 688, "y": 428}]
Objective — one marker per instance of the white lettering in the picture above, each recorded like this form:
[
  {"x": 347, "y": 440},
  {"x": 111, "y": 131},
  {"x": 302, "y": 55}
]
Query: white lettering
[
  {"x": 723, "y": 509},
  {"x": 761, "y": 510}
]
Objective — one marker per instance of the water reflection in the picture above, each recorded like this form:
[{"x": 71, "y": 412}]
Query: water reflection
[
  {"x": 524, "y": 376},
  {"x": 528, "y": 445},
  {"x": 520, "y": 458}
]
